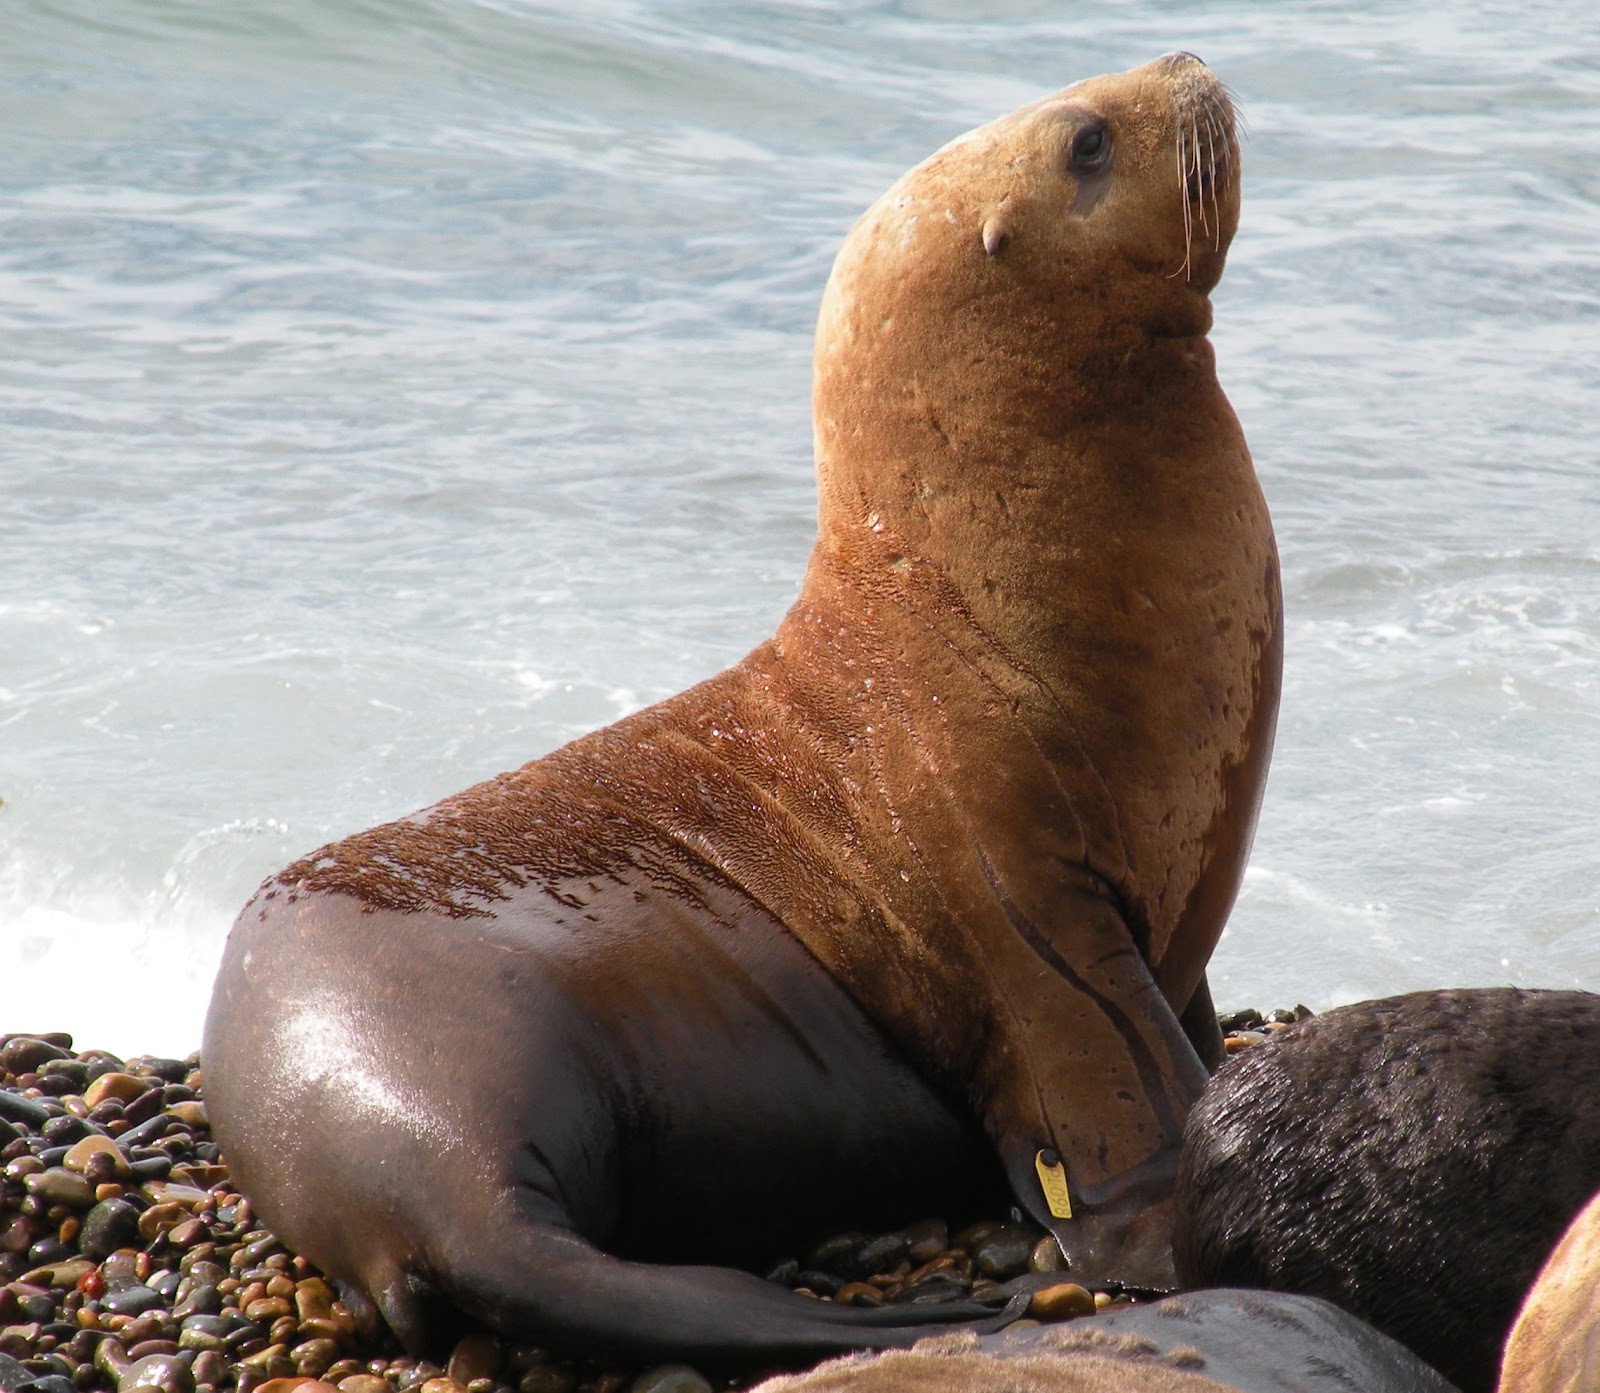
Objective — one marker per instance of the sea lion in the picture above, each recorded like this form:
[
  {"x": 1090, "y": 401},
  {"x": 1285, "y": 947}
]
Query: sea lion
[
  {"x": 1200, "y": 1342},
  {"x": 949, "y": 851},
  {"x": 1554, "y": 1347},
  {"x": 1412, "y": 1160}
]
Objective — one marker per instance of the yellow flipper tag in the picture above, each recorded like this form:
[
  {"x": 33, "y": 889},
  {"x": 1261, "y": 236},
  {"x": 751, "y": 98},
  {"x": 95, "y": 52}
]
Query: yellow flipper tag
[{"x": 1053, "y": 1181}]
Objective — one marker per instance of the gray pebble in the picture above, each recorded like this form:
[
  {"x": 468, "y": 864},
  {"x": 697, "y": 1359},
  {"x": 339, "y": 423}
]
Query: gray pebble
[
  {"x": 110, "y": 1225},
  {"x": 23, "y": 1054},
  {"x": 670, "y": 1378},
  {"x": 823, "y": 1283},
  {"x": 879, "y": 1254},
  {"x": 27, "y": 1111},
  {"x": 59, "y": 1186},
  {"x": 12, "y": 1374},
  {"x": 202, "y": 1299},
  {"x": 1005, "y": 1252},
  {"x": 548, "y": 1378},
  {"x": 827, "y": 1255},
  {"x": 165, "y": 1371},
  {"x": 131, "y": 1301}
]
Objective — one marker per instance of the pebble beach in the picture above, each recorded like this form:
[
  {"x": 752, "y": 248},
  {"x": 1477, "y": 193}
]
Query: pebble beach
[{"x": 129, "y": 1262}]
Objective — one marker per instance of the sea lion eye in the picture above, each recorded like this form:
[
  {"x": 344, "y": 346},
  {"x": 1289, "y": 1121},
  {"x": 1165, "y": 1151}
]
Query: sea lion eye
[{"x": 1091, "y": 149}]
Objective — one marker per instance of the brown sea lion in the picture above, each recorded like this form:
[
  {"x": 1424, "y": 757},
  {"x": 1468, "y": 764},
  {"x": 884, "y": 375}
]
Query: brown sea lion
[
  {"x": 1413, "y": 1160},
  {"x": 1200, "y": 1342},
  {"x": 949, "y": 852},
  {"x": 1555, "y": 1345}
]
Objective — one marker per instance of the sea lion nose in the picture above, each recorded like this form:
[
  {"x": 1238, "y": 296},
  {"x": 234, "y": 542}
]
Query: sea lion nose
[{"x": 1181, "y": 59}]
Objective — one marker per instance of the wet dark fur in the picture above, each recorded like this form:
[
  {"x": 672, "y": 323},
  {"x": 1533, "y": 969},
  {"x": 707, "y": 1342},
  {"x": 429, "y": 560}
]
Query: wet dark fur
[{"x": 1413, "y": 1160}]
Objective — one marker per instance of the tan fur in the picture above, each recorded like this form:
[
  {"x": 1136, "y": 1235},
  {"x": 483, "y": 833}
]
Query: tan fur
[
  {"x": 913, "y": 1371},
  {"x": 1555, "y": 1345}
]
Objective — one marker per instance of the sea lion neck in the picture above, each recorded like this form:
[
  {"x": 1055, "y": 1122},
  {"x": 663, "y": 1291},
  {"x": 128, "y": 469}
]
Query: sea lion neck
[{"x": 1013, "y": 462}]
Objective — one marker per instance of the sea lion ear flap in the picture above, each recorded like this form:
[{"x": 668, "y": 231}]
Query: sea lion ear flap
[{"x": 995, "y": 235}]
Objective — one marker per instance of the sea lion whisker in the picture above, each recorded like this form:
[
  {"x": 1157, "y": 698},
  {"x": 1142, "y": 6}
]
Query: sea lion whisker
[
  {"x": 1197, "y": 173},
  {"x": 1216, "y": 208},
  {"x": 1183, "y": 201}
]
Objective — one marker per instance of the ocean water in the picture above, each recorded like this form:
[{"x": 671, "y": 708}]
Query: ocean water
[{"x": 394, "y": 389}]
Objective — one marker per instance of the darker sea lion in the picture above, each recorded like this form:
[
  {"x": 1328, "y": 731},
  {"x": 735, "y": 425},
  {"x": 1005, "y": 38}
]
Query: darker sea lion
[
  {"x": 949, "y": 852},
  {"x": 1412, "y": 1160},
  {"x": 1554, "y": 1347},
  {"x": 1200, "y": 1342}
]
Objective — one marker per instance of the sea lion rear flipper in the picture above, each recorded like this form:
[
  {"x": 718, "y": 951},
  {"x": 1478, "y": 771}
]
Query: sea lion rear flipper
[{"x": 552, "y": 1286}]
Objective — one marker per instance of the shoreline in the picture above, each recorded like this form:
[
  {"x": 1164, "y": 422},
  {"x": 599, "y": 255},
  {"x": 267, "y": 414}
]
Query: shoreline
[{"x": 128, "y": 1261}]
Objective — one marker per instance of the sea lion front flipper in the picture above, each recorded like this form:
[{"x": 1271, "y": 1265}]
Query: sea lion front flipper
[
  {"x": 1119, "y": 1231},
  {"x": 1199, "y": 1022}
]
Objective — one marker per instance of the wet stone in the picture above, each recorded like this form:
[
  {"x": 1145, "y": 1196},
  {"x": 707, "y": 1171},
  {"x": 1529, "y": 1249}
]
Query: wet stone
[
  {"x": 65, "y": 1130},
  {"x": 28, "y": 1111},
  {"x": 188, "y": 1233},
  {"x": 827, "y": 1255},
  {"x": 23, "y": 1054},
  {"x": 1005, "y": 1252},
  {"x": 165, "y": 1371},
  {"x": 81, "y": 1155},
  {"x": 202, "y": 1299},
  {"x": 61, "y": 1273},
  {"x": 670, "y": 1378},
  {"x": 51, "y": 1383},
  {"x": 209, "y": 1369},
  {"x": 314, "y": 1357},
  {"x": 11, "y": 1374},
  {"x": 145, "y": 1348},
  {"x": 474, "y": 1357},
  {"x": 823, "y": 1283},
  {"x": 161, "y": 1217},
  {"x": 880, "y": 1254},
  {"x": 139, "y": 1329},
  {"x": 362, "y": 1383},
  {"x": 543, "y": 1378},
  {"x": 58, "y": 1186},
  {"x": 1060, "y": 1301},
  {"x": 145, "y": 1107},
  {"x": 110, "y": 1225},
  {"x": 131, "y": 1301},
  {"x": 35, "y": 1305},
  {"x": 928, "y": 1238},
  {"x": 1046, "y": 1256},
  {"x": 163, "y": 1068}
]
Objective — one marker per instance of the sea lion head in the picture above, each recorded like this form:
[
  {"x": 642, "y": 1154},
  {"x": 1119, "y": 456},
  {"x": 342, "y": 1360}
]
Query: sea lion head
[{"x": 1010, "y": 287}]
